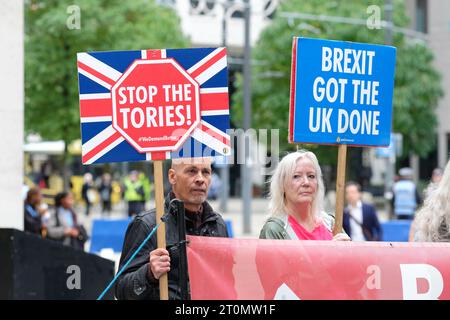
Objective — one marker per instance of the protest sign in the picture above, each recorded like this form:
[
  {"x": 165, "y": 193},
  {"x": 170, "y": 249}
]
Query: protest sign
[
  {"x": 341, "y": 94},
  {"x": 153, "y": 105}
]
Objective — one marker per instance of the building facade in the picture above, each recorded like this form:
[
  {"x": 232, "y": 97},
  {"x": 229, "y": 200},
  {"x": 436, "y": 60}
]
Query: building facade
[{"x": 433, "y": 18}]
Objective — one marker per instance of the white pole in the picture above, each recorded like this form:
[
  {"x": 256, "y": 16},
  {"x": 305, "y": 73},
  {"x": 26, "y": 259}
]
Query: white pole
[
  {"x": 246, "y": 173},
  {"x": 11, "y": 113}
]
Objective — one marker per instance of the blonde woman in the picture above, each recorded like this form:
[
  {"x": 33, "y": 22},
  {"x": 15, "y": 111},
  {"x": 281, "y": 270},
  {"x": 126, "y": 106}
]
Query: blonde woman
[
  {"x": 432, "y": 222},
  {"x": 296, "y": 201}
]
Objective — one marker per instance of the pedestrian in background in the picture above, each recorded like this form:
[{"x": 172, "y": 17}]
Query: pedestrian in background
[
  {"x": 134, "y": 193},
  {"x": 63, "y": 225},
  {"x": 405, "y": 198},
  {"x": 87, "y": 191},
  {"x": 34, "y": 211},
  {"x": 296, "y": 201},
  {"x": 105, "y": 190},
  {"x": 216, "y": 186},
  {"x": 436, "y": 176},
  {"x": 147, "y": 189},
  {"x": 360, "y": 219},
  {"x": 432, "y": 223}
]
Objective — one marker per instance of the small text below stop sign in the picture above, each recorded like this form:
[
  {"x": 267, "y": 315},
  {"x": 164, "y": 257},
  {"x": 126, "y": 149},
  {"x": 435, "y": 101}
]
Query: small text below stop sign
[{"x": 156, "y": 105}]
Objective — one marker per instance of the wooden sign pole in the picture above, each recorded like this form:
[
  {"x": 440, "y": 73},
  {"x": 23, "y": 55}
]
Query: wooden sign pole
[
  {"x": 161, "y": 232},
  {"x": 340, "y": 188}
]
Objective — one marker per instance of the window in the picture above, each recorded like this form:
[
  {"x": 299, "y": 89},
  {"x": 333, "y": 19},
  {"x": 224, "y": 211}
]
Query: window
[
  {"x": 421, "y": 16},
  {"x": 202, "y": 7}
]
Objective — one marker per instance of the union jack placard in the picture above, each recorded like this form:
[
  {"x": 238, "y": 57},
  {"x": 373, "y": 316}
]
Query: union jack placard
[{"x": 100, "y": 74}]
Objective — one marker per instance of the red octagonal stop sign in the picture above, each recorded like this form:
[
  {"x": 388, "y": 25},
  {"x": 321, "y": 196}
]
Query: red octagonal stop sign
[{"x": 155, "y": 105}]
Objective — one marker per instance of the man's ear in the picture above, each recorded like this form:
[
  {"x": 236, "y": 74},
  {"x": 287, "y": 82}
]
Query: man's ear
[{"x": 172, "y": 176}]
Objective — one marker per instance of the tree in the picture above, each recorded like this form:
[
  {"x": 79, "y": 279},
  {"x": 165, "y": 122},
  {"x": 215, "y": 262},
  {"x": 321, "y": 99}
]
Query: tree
[
  {"x": 56, "y": 30},
  {"x": 417, "y": 84}
]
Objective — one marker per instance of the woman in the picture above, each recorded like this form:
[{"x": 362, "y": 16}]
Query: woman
[
  {"x": 63, "y": 225},
  {"x": 432, "y": 222},
  {"x": 296, "y": 200}
]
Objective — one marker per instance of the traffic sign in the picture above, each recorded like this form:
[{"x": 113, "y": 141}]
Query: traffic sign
[{"x": 156, "y": 105}]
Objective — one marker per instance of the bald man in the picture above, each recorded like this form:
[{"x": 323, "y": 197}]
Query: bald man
[{"x": 190, "y": 180}]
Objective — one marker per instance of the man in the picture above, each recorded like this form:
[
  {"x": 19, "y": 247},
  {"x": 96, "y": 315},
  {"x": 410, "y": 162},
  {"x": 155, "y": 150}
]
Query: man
[
  {"x": 190, "y": 180},
  {"x": 406, "y": 198},
  {"x": 360, "y": 220}
]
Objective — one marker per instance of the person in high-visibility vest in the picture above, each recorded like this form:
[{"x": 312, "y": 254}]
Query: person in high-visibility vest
[
  {"x": 147, "y": 188},
  {"x": 406, "y": 197},
  {"x": 134, "y": 193}
]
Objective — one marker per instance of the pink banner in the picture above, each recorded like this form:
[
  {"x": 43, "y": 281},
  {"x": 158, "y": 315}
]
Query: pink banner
[{"x": 230, "y": 269}]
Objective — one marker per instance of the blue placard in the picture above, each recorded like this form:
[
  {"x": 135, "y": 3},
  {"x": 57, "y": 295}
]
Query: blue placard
[{"x": 341, "y": 92}]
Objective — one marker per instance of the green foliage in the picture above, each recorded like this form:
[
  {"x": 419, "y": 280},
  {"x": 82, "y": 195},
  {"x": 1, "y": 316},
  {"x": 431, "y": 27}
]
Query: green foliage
[
  {"x": 416, "y": 94},
  {"x": 51, "y": 83},
  {"x": 417, "y": 83}
]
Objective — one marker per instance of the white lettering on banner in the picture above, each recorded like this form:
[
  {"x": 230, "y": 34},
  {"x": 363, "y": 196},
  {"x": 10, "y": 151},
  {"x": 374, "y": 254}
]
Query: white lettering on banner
[
  {"x": 411, "y": 272},
  {"x": 359, "y": 121},
  {"x": 142, "y": 94},
  {"x": 124, "y": 112},
  {"x": 325, "y": 120},
  {"x": 177, "y": 92},
  {"x": 331, "y": 90},
  {"x": 364, "y": 122},
  {"x": 154, "y": 117},
  {"x": 367, "y": 90},
  {"x": 347, "y": 61},
  {"x": 134, "y": 123},
  {"x": 151, "y": 116}
]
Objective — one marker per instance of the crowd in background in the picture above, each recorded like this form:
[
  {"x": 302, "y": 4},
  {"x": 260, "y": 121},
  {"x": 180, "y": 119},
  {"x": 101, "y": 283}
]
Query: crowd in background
[{"x": 60, "y": 221}]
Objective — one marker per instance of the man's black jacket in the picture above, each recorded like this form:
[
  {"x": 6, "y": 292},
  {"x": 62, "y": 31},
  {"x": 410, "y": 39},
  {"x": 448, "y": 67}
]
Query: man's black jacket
[{"x": 136, "y": 282}]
